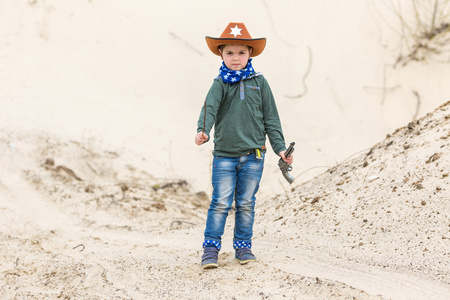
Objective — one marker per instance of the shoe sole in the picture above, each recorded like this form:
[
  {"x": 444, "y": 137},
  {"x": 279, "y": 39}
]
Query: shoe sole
[
  {"x": 243, "y": 262},
  {"x": 210, "y": 266}
]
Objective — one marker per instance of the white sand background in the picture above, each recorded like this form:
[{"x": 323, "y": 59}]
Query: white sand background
[{"x": 103, "y": 193}]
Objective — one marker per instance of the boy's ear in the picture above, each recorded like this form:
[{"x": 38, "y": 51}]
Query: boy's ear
[
  {"x": 220, "y": 52},
  {"x": 250, "y": 50}
]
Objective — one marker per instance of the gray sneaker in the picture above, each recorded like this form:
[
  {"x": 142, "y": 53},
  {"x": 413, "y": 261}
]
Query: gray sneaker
[
  {"x": 210, "y": 257},
  {"x": 244, "y": 255}
]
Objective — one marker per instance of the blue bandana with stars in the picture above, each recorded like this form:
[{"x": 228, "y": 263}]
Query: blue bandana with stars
[{"x": 230, "y": 76}]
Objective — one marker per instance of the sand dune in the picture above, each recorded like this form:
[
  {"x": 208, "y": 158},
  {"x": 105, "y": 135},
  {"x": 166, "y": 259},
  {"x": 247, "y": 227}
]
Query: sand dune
[
  {"x": 81, "y": 223},
  {"x": 103, "y": 194}
]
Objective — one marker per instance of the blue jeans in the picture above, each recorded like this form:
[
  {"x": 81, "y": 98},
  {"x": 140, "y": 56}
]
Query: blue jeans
[{"x": 233, "y": 178}]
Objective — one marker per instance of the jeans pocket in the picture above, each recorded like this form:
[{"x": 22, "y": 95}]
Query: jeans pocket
[{"x": 218, "y": 161}]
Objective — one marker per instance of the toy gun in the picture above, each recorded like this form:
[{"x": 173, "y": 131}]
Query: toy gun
[{"x": 284, "y": 167}]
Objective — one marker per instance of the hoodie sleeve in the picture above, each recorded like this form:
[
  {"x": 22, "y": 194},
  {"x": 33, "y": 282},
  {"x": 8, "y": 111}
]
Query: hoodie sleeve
[
  {"x": 272, "y": 123},
  {"x": 212, "y": 103}
]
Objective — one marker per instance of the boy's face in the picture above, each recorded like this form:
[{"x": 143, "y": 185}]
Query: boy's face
[{"x": 235, "y": 57}]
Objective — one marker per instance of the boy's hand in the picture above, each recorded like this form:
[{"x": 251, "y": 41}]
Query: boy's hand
[
  {"x": 200, "y": 138},
  {"x": 289, "y": 160}
]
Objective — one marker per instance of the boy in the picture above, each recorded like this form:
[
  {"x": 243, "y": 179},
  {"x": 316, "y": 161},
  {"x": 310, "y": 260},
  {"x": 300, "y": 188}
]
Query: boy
[{"x": 241, "y": 106}]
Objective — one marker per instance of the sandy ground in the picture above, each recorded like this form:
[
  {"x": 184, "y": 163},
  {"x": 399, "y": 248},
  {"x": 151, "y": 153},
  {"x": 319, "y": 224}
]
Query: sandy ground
[
  {"x": 80, "y": 223},
  {"x": 103, "y": 194}
]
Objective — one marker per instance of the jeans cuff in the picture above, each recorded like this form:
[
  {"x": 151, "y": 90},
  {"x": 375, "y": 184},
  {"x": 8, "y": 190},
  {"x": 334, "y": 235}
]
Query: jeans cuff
[
  {"x": 212, "y": 243},
  {"x": 242, "y": 244}
]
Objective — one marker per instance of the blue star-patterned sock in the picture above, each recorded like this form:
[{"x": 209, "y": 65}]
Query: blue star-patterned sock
[
  {"x": 242, "y": 244},
  {"x": 212, "y": 243}
]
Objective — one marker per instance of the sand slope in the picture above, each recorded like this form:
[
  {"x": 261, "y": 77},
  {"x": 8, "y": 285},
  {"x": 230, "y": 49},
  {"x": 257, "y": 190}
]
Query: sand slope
[{"x": 83, "y": 223}]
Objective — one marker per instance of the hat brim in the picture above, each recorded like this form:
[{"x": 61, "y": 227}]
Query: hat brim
[{"x": 258, "y": 45}]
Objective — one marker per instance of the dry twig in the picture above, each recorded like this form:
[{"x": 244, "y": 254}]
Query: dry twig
[{"x": 305, "y": 87}]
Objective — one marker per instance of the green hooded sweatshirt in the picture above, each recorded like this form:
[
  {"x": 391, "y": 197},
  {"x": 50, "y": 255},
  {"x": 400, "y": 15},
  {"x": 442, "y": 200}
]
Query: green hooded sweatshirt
[{"x": 243, "y": 114}]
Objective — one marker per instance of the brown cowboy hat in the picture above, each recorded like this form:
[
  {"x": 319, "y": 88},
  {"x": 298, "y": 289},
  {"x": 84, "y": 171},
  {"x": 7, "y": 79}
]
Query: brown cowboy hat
[{"x": 236, "y": 34}]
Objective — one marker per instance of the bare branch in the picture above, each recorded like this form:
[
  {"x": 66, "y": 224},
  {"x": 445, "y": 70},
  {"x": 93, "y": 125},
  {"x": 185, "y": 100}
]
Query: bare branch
[{"x": 305, "y": 87}]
